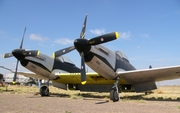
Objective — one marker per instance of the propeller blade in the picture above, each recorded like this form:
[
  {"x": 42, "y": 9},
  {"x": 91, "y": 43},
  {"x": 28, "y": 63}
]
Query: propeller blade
[
  {"x": 15, "y": 74},
  {"x": 7, "y": 55},
  {"x": 22, "y": 38},
  {"x": 103, "y": 38},
  {"x": 82, "y": 35},
  {"x": 63, "y": 51},
  {"x": 83, "y": 70},
  {"x": 31, "y": 53}
]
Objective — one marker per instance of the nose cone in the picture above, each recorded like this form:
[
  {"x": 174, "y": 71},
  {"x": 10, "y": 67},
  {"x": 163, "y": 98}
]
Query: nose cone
[
  {"x": 18, "y": 53},
  {"x": 82, "y": 45}
]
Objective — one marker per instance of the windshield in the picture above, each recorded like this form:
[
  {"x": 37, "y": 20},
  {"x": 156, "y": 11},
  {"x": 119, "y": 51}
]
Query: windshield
[
  {"x": 66, "y": 60},
  {"x": 122, "y": 55}
]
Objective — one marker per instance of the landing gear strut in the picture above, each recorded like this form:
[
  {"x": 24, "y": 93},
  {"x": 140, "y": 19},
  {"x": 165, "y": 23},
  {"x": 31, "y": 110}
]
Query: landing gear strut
[
  {"x": 114, "y": 93},
  {"x": 44, "y": 90}
]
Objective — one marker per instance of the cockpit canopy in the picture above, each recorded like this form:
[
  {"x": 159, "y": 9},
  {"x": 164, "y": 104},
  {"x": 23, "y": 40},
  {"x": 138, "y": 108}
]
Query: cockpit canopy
[
  {"x": 122, "y": 55},
  {"x": 66, "y": 60}
]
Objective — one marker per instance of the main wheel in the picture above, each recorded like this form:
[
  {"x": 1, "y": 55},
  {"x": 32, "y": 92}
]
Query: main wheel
[
  {"x": 44, "y": 91},
  {"x": 114, "y": 95}
]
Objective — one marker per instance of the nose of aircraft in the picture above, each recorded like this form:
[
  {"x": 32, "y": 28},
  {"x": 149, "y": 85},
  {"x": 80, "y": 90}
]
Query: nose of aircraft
[
  {"x": 18, "y": 53},
  {"x": 82, "y": 45}
]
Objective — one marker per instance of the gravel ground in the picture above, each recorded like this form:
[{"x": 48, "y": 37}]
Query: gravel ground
[{"x": 30, "y": 103}]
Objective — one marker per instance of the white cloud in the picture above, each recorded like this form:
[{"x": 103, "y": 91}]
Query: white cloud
[
  {"x": 138, "y": 47},
  {"x": 125, "y": 35},
  {"x": 38, "y": 37},
  {"x": 64, "y": 41},
  {"x": 145, "y": 36},
  {"x": 98, "y": 31}
]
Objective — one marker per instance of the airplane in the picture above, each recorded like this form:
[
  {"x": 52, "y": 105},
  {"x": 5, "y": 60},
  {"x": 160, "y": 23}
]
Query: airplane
[
  {"x": 64, "y": 74},
  {"x": 112, "y": 68},
  {"x": 60, "y": 70}
]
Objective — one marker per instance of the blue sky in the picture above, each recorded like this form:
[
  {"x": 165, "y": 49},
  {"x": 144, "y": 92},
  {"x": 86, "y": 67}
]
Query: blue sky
[{"x": 149, "y": 29}]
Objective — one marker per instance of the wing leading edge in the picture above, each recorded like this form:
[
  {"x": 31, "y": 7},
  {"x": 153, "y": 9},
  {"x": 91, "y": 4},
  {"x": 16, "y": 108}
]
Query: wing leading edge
[{"x": 32, "y": 75}]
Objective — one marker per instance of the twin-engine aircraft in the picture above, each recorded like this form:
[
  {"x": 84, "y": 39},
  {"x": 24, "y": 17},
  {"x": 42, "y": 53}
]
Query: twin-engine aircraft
[{"x": 112, "y": 67}]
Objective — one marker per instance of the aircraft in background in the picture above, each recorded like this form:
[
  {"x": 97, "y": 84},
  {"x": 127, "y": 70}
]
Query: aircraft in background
[
  {"x": 113, "y": 68},
  {"x": 2, "y": 82}
]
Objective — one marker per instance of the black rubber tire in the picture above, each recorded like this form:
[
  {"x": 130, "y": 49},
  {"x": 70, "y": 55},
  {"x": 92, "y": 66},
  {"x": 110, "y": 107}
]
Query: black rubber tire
[
  {"x": 114, "y": 95},
  {"x": 44, "y": 91}
]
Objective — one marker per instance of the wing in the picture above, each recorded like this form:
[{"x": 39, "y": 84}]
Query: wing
[
  {"x": 92, "y": 78},
  {"x": 95, "y": 82},
  {"x": 32, "y": 75},
  {"x": 143, "y": 80}
]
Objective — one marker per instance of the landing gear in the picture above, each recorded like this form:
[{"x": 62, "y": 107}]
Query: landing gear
[
  {"x": 44, "y": 91},
  {"x": 114, "y": 93}
]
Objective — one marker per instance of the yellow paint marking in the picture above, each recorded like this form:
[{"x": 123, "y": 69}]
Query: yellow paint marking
[
  {"x": 53, "y": 55},
  {"x": 117, "y": 34},
  {"x": 38, "y": 53},
  {"x": 83, "y": 82},
  {"x": 13, "y": 82}
]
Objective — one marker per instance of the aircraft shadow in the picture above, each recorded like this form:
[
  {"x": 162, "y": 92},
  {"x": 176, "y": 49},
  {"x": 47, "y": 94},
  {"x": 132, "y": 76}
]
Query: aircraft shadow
[
  {"x": 59, "y": 95},
  {"x": 101, "y": 98},
  {"x": 141, "y": 97}
]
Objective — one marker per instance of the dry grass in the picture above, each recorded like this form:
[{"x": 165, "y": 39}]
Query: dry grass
[{"x": 162, "y": 93}]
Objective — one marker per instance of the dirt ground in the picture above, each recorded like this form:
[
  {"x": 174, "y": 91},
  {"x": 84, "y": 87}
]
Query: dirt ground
[{"x": 31, "y": 103}]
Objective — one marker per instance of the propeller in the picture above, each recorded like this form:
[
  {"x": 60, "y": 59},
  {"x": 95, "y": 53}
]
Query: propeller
[
  {"x": 63, "y": 51},
  {"x": 7, "y": 55},
  {"x": 69, "y": 49},
  {"x": 20, "y": 54},
  {"x": 83, "y": 71},
  {"x": 83, "y": 46}
]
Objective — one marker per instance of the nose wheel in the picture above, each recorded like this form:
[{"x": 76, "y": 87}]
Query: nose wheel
[{"x": 114, "y": 93}]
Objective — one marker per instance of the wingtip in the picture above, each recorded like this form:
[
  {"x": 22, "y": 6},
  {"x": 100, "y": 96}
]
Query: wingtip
[{"x": 83, "y": 82}]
